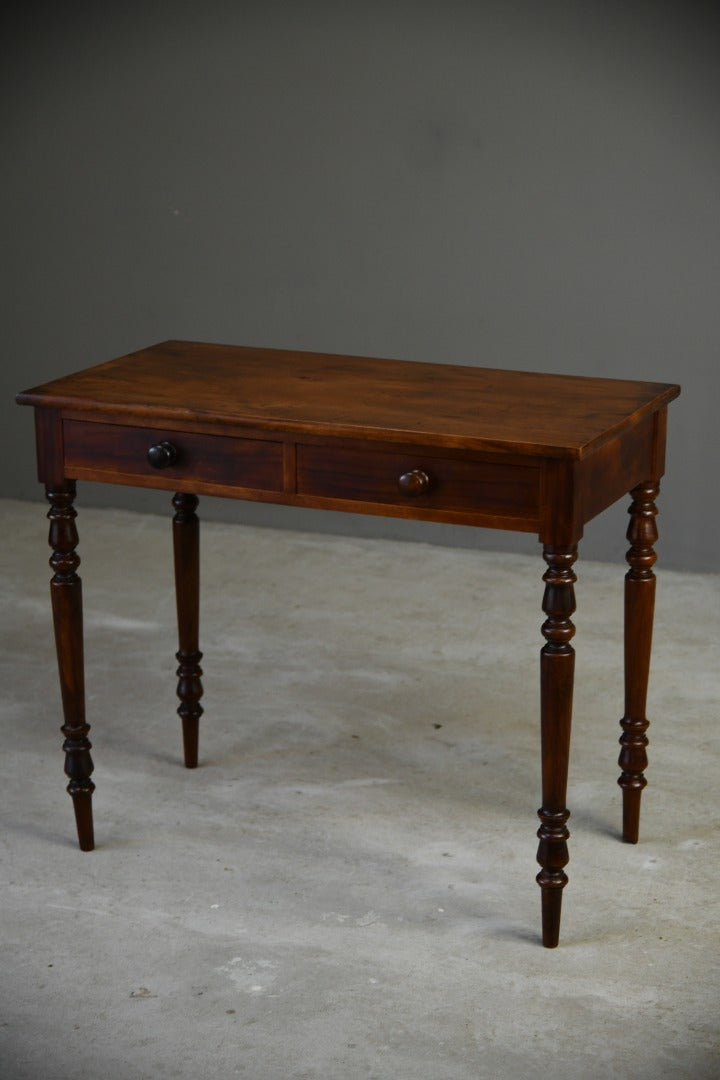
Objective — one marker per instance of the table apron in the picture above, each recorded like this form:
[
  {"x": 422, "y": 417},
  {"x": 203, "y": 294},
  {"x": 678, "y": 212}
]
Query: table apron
[{"x": 495, "y": 491}]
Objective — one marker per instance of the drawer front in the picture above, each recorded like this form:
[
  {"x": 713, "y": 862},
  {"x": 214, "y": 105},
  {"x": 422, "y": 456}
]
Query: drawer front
[
  {"x": 119, "y": 454},
  {"x": 420, "y": 481}
]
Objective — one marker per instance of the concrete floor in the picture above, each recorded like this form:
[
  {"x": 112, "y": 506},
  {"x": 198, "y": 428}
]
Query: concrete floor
[{"x": 345, "y": 888}]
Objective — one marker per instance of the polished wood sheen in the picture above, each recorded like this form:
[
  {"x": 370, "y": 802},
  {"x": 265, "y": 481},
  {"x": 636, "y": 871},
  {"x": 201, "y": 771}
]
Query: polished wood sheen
[
  {"x": 66, "y": 597},
  {"x": 557, "y": 668},
  {"x": 434, "y": 442},
  {"x": 186, "y": 548},
  {"x": 639, "y": 612}
]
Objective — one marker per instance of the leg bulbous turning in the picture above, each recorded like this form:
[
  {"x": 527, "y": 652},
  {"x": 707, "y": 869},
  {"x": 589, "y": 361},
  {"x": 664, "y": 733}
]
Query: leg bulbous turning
[
  {"x": 189, "y": 691},
  {"x": 639, "y": 612},
  {"x": 186, "y": 547},
  {"x": 557, "y": 665},
  {"x": 66, "y": 598}
]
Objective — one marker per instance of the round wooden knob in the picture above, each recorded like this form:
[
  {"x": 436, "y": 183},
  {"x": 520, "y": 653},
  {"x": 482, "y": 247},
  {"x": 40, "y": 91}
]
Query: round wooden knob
[
  {"x": 161, "y": 455},
  {"x": 415, "y": 482}
]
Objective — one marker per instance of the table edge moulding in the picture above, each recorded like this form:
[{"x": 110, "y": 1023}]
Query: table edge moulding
[{"x": 433, "y": 442}]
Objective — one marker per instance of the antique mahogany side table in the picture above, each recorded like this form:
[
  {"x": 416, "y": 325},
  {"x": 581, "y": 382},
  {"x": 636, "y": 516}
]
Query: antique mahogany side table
[{"x": 433, "y": 442}]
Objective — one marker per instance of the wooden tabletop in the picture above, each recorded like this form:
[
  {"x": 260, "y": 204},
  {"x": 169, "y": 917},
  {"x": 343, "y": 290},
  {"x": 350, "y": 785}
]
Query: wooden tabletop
[{"x": 315, "y": 393}]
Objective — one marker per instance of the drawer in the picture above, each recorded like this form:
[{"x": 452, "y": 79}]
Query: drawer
[
  {"x": 119, "y": 454},
  {"x": 424, "y": 483}
]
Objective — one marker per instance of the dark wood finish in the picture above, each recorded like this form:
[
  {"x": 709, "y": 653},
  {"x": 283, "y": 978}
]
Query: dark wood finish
[
  {"x": 557, "y": 667},
  {"x": 119, "y": 453},
  {"x": 186, "y": 548},
  {"x": 229, "y": 387},
  {"x": 461, "y": 486},
  {"x": 162, "y": 455},
  {"x": 66, "y": 597},
  {"x": 474, "y": 446},
  {"x": 414, "y": 483},
  {"x": 639, "y": 611}
]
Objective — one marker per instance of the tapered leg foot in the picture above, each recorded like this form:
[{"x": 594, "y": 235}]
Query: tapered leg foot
[
  {"x": 82, "y": 805},
  {"x": 186, "y": 547},
  {"x": 66, "y": 597},
  {"x": 552, "y": 894},
  {"x": 639, "y": 611},
  {"x": 557, "y": 665},
  {"x": 631, "y": 811}
]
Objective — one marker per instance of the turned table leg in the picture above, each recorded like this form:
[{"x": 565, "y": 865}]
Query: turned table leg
[
  {"x": 66, "y": 596},
  {"x": 639, "y": 610},
  {"x": 186, "y": 547},
  {"x": 557, "y": 664}
]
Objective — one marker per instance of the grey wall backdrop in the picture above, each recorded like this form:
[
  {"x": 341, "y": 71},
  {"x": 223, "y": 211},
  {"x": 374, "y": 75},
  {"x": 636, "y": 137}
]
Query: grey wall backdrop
[{"x": 526, "y": 185}]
